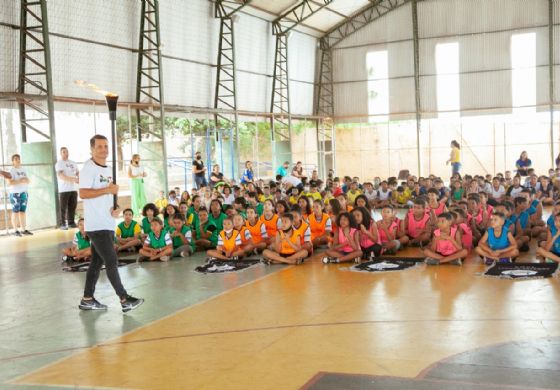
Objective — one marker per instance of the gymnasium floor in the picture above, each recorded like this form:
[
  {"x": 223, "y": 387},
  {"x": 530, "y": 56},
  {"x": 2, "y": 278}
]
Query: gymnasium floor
[{"x": 274, "y": 327}]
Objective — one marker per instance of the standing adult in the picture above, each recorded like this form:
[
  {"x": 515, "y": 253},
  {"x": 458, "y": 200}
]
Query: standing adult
[
  {"x": 248, "y": 176},
  {"x": 19, "y": 183},
  {"x": 68, "y": 176},
  {"x": 97, "y": 190},
  {"x": 216, "y": 177},
  {"x": 523, "y": 164},
  {"x": 199, "y": 171},
  {"x": 557, "y": 161},
  {"x": 137, "y": 174},
  {"x": 455, "y": 157},
  {"x": 297, "y": 171},
  {"x": 283, "y": 169}
]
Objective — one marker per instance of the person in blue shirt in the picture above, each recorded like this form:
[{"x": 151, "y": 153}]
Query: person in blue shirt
[
  {"x": 248, "y": 176},
  {"x": 283, "y": 169},
  {"x": 497, "y": 243},
  {"x": 551, "y": 249}
]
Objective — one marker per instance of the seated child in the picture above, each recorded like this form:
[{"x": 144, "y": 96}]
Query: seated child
[
  {"x": 388, "y": 229},
  {"x": 257, "y": 229},
  {"x": 401, "y": 197},
  {"x": 513, "y": 224},
  {"x": 460, "y": 217},
  {"x": 320, "y": 225},
  {"x": 346, "y": 243},
  {"x": 550, "y": 251},
  {"x": 161, "y": 202},
  {"x": 229, "y": 243},
  {"x": 384, "y": 196},
  {"x": 181, "y": 235},
  {"x": 271, "y": 221},
  {"x": 416, "y": 224},
  {"x": 287, "y": 244},
  {"x": 205, "y": 232},
  {"x": 435, "y": 206},
  {"x": 369, "y": 237},
  {"x": 244, "y": 233},
  {"x": 497, "y": 243},
  {"x": 447, "y": 244},
  {"x": 81, "y": 247},
  {"x": 478, "y": 216},
  {"x": 158, "y": 244},
  {"x": 302, "y": 229},
  {"x": 128, "y": 233},
  {"x": 150, "y": 211}
]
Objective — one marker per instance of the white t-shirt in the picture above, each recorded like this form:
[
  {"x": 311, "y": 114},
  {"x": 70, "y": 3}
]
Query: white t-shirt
[
  {"x": 97, "y": 211},
  {"x": 497, "y": 194},
  {"x": 68, "y": 168},
  {"x": 384, "y": 195},
  {"x": 370, "y": 195},
  {"x": 294, "y": 181},
  {"x": 17, "y": 174},
  {"x": 136, "y": 171},
  {"x": 229, "y": 199},
  {"x": 515, "y": 191}
]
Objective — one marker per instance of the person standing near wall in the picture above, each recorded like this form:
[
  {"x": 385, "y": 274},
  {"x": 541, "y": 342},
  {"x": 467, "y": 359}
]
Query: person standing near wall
[
  {"x": 455, "y": 157},
  {"x": 18, "y": 182},
  {"x": 97, "y": 190},
  {"x": 137, "y": 174},
  {"x": 199, "y": 171},
  {"x": 68, "y": 176}
]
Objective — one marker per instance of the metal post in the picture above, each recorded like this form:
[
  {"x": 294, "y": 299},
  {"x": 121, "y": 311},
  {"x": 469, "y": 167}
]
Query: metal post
[
  {"x": 417, "y": 82},
  {"x": 5, "y": 189},
  {"x": 192, "y": 147},
  {"x": 551, "y": 76}
]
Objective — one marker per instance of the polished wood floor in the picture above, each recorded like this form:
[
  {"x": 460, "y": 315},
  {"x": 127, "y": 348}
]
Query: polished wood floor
[{"x": 286, "y": 324}]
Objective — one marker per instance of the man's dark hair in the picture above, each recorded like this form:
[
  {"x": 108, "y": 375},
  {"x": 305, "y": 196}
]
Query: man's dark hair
[{"x": 96, "y": 137}]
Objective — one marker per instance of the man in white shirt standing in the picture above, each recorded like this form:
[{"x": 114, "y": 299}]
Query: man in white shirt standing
[
  {"x": 97, "y": 190},
  {"x": 67, "y": 173},
  {"x": 19, "y": 182}
]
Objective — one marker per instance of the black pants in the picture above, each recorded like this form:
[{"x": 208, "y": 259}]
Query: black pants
[
  {"x": 68, "y": 204},
  {"x": 103, "y": 251}
]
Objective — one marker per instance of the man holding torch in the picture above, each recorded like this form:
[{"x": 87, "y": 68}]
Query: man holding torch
[{"x": 98, "y": 190}]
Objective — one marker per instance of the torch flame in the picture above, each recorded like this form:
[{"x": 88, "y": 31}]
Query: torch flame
[{"x": 93, "y": 87}]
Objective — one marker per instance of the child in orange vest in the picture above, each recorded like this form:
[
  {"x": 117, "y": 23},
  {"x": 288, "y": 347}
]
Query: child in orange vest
[{"x": 287, "y": 245}]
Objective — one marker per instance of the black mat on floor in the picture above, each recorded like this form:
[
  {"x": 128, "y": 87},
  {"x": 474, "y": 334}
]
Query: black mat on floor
[
  {"x": 522, "y": 270},
  {"x": 220, "y": 266},
  {"x": 388, "y": 264},
  {"x": 83, "y": 267}
]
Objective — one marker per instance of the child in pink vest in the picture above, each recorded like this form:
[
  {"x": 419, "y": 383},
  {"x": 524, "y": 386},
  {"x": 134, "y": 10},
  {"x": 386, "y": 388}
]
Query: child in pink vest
[{"x": 446, "y": 246}]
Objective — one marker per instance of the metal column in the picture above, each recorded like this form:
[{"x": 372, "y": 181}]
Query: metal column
[
  {"x": 35, "y": 77},
  {"x": 551, "y": 76},
  {"x": 149, "y": 82},
  {"x": 324, "y": 106},
  {"x": 417, "y": 82}
]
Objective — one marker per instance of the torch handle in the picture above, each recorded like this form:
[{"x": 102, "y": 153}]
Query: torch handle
[{"x": 113, "y": 117}]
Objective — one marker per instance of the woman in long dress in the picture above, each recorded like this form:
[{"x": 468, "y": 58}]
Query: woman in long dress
[{"x": 137, "y": 193}]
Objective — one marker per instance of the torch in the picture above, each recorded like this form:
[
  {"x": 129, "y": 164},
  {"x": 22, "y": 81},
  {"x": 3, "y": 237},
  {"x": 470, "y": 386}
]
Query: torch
[{"x": 111, "y": 99}]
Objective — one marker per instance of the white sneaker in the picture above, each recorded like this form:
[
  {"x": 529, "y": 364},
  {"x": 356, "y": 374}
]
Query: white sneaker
[
  {"x": 164, "y": 258},
  {"x": 326, "y": 260}
]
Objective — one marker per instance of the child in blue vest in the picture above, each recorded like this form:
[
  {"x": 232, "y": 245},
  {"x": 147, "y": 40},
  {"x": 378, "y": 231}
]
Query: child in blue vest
[
  {"x": 128, "y": 233},
  {"x": 158, "y": 244},
  {"x": 181, "y": 235},
  {"x": 81, "y": 247},
  {"x": 497, "y": 243},
  {"x": 551, "y": 248}
]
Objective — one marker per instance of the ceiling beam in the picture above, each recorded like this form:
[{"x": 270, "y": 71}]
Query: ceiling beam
[
  {"x": 368, "y": 14},
  {"x": 297, "y": 14},
  {"x": 227, "y": 8}
]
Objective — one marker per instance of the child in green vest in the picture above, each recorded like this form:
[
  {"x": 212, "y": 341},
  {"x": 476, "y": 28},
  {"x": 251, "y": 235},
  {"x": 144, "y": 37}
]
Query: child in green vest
[
  {"x": 128, "y": 233},
  {"x": 158, "y": 245},
  {"x": 150, "y": 211},
  {"x": 181, "y": 235},
  {"x": 81, "y": 247},
  {"x": 205, "y": 232}
]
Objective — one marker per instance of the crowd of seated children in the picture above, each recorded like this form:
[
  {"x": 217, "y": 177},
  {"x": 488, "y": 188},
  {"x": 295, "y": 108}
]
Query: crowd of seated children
[{"x": 497, "y": 216}]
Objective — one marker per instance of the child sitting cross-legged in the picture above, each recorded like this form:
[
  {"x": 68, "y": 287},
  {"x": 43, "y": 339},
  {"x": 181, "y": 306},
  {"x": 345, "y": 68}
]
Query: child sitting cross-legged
[
  {"x": 346, "y": 243},
  {"x": 128, "y": 233},
  {"x": 286, "y": 247},
  {"x": 158, "y": 244},
  {"x": 446, "y": 245},
  {"x": 181, "y": 235},
  {"x": 229, "y": 243},
  {"x": 81, "y": 247},
  {"x": 550, "y": 250},
  {"x": 497, "y": 243}
]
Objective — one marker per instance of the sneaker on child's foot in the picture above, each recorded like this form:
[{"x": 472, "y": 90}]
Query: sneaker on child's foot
[
  {"x": 431, "y": 261},
  {"x": 67, "y": 258},
  {"x": 456, "y": 262},
  {"x": 235, "y": 258},
  {"x": 164, "y": 258},
  {"x": 326, "y": 260},
  {"x": 17, "y": 233},
  {"x": 488, "y": 261},
  {"x": 141, "y": 258},
  {"x": 505, "y": 260},
  {"x": 91, "y": 304},
  {"x": 265, "y": 261},
  {"x": 184, "y": 254},
  {"x": 130, "y": 303}
]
